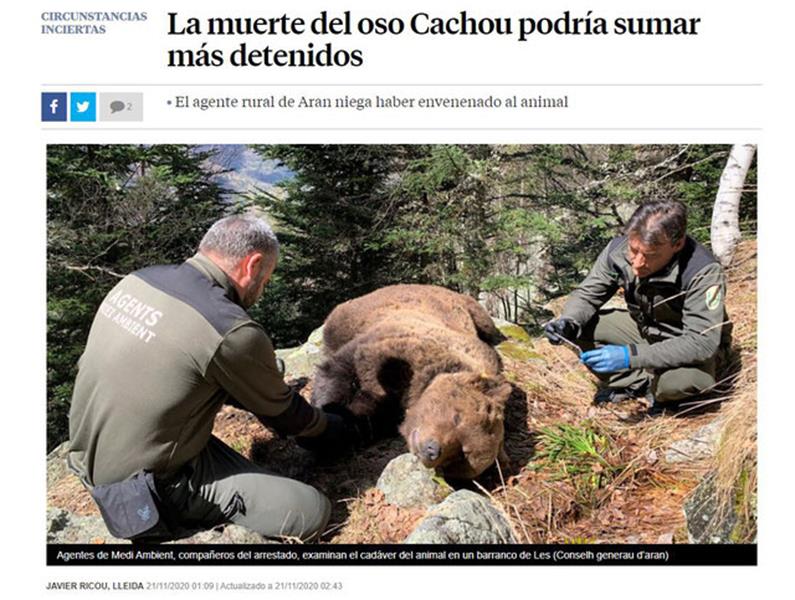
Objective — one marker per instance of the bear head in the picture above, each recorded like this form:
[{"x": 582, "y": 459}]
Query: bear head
[{"x": 457, "y": 423}]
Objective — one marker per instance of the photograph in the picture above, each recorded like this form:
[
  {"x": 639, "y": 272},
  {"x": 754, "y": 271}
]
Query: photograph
[{"x": 495, "y": 345}]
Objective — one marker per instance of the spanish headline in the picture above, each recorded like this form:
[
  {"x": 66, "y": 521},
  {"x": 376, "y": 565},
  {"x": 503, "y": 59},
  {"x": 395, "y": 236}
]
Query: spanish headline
[{"x": 318, "y": 53}]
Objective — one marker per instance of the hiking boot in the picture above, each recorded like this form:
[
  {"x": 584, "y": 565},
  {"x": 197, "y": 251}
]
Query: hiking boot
[
  {"x": 658, "y": 409},
  {"x": 655, "y": 410},
  {"x": 611, "y": 396},
  {"x": 614, "y": 395}
]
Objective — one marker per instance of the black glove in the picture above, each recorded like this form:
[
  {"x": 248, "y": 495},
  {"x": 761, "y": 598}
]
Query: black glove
[
  {"x": 335, "y": 439},
  {"x": 562, "y": 328},
  {"x": 360, "y": 429}
]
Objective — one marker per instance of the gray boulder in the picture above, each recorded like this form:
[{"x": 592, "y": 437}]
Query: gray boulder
[
  {"x": 463, "y": 518},
  {"x": 702, "y": 444},
  {"x": 226, "y": 534},
  {"x": 707, "y": 523},
  {"x": 56, "y": 464},
  {"x": 405, "y": 482},
  {"x": 301, "y": 361}
]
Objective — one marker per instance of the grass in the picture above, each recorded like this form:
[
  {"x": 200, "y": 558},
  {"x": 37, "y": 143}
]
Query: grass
[
  {"x": 735, "y": 462},
  {"x": 581, "y": 455}
]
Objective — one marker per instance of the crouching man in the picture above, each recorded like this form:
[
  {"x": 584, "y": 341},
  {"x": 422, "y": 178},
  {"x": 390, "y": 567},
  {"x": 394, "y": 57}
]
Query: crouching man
[
  {"x": 665, "y": 345},
  {"x": 168, "y": 347}
]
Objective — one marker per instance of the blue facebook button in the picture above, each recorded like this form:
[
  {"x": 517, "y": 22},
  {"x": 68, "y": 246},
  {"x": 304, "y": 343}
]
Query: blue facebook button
[
  {"x": 82, "y": 106},
  {"x": 53, "y": 106}
]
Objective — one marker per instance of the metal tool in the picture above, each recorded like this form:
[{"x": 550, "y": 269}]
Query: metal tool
[
  {"x": 568, "y": 342},
  {"x": 571, "y": 344}
]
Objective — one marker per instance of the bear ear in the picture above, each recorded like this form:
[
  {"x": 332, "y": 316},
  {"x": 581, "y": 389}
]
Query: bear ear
[{"x": 496, "y": 388}]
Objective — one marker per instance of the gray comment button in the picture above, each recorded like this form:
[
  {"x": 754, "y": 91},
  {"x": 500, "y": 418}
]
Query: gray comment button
[{"x": 121, "y": 107}]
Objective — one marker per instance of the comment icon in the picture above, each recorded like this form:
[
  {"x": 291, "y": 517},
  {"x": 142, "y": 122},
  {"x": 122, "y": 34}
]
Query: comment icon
[{"x": 121, "y": 106}]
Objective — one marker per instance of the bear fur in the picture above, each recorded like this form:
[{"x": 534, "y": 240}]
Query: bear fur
[{"x": 421, "y": 357}]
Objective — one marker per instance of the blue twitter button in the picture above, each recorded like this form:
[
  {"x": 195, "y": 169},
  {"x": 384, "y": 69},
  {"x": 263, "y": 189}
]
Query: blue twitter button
[{"x": 82, "y": 106}]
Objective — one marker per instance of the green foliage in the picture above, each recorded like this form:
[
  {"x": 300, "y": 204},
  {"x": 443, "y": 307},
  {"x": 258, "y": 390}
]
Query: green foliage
[
  {"x": 580, "y": 455},
  {"x": 446, "y": 224},
  {"x": 696, "y": 186},
  {"x": 521, "y": 223},
  {"x": 330, "y": 224}
]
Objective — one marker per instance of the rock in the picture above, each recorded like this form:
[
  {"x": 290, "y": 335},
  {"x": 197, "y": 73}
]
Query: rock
[
  {"x": 64, "y": 527},
  {"x": 702, "y": 444},
  {"x": 226, "y": 534},
  {"x": 56, "y": 464},
  {"x": 706, "y": 524},
  {"x": 633, "y": 539},
  {"x": 512, "y": 331},
  {"x": 518, "y": 345},
  {"x": 405, "y": 482},
  {"x": 463, "y": 518},
  {"x": 665, "y": 538},
  {"x": 301, "y": 361},
  {"x": 519, "y": 351}
]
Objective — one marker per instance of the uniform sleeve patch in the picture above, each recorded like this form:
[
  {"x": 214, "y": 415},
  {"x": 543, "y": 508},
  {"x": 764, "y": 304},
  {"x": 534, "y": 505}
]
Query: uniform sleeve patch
[{"x": 712, "y": 297}]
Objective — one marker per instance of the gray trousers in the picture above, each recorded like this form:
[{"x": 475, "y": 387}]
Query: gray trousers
[
  {"x": 616, "y": 326},
  {"x": 220, "y": 486}
]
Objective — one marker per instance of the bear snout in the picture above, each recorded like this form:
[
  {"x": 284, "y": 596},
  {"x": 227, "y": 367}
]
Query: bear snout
[
  {"x": 430, "y": 450},
  {"x": 427, "y": 450}
]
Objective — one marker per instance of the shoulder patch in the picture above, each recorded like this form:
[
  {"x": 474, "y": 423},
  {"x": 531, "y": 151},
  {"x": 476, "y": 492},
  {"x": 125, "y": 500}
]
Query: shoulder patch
[{"x": 712, "y": 297}]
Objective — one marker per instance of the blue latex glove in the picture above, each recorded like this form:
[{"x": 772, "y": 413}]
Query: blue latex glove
[{"x": 607, "y": 359}]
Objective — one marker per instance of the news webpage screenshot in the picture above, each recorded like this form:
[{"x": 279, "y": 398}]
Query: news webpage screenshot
[{"x": 346, "y": 298}]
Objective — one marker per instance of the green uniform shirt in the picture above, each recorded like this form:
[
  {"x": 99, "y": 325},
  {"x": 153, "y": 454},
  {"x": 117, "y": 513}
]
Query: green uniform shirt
[
  {"x": 679, "y": 310},
  {"x": 168, "y": 346}
]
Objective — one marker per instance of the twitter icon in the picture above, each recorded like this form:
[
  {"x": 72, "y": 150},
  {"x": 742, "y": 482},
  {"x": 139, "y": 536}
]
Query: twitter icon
[{"x": 82, "y": 106}]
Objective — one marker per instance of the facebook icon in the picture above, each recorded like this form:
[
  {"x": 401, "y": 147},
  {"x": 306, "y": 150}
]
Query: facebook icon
[{"x": 53, "y": 106}]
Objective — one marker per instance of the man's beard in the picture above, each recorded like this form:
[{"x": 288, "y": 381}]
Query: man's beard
[{"x": 253, "y": 293}]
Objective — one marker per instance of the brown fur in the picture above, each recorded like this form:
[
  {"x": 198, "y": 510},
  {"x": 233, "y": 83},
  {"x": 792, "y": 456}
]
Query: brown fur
[{"x": 419, "y": 349}]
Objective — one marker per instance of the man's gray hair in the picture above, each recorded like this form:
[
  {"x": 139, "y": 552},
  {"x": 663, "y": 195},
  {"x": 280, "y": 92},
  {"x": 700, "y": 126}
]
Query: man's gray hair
[{"x": 233, "y": 238}]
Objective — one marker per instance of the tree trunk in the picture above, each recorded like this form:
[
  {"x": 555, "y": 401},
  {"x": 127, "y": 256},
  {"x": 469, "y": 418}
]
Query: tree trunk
[{"x": 725, "y": 230}]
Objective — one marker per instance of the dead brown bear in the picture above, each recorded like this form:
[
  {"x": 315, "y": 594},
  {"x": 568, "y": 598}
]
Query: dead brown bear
[{"x": 422, "y": 355}]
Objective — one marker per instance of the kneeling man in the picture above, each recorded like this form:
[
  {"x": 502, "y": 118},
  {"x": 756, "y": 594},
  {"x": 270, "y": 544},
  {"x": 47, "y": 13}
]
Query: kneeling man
[
  {"x": 664, "y": 345},
  {"x": 168, "y": 347}
]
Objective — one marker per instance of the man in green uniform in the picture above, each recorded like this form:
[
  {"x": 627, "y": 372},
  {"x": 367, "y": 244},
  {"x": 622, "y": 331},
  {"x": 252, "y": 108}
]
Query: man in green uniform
[
  {"x": 664, "y": 346},
  {"x": 168, "y": 347}
]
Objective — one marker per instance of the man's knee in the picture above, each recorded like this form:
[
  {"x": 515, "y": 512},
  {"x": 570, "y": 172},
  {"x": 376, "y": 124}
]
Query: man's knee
[
  {"x": 678, "y": 384},
  {"x": 280, "y": 507},
  {"x": 610, "y": 326}
]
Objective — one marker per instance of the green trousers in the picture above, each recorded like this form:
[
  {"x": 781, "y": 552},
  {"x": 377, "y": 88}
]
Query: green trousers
[
  {"x": 220, "y": 486},
  {"x": 615, "y": 326}
]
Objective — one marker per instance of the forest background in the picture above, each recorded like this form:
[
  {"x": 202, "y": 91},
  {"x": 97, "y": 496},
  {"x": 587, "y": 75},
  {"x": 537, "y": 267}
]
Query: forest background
[{"x": 513, "y": 226}]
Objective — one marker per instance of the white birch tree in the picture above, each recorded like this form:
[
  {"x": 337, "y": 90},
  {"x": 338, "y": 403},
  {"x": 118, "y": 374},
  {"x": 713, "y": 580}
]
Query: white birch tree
[{"x": 725, "y": 229}]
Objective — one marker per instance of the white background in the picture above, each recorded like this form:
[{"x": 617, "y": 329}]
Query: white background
[{"x": 740, "y": 43}]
